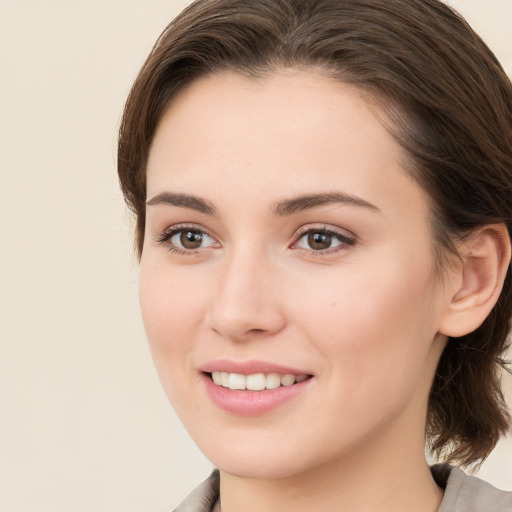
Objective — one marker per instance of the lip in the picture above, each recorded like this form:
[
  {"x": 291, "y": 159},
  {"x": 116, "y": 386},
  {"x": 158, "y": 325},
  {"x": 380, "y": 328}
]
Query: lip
[
  {"x": 249, "y": 367},
  {"x": 245, "y": 402}
]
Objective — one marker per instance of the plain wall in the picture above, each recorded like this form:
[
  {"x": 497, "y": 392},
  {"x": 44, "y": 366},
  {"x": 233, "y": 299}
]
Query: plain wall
[{"x": 84, "y": 425}]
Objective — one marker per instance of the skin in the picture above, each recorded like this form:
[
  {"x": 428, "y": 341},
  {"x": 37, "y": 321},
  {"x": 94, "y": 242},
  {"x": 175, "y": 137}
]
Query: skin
[{"x": 363, "y": 318}]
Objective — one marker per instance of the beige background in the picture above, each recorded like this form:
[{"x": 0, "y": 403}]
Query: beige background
[{"x": 84, "y": 425}]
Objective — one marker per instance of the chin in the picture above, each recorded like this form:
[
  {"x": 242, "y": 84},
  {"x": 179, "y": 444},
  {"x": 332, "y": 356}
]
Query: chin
[
  {"x": 271, "y": 460},
  {"x": 257, "y": 468}
]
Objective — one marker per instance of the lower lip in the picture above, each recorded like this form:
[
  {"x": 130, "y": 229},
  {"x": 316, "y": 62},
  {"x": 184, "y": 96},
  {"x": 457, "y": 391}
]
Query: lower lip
[{"x": 251, "y": 403}]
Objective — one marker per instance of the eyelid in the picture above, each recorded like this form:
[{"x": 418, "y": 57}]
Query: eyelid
[
  {"x": 348, "y": 238},
  {"x": 164, "y": 237}
]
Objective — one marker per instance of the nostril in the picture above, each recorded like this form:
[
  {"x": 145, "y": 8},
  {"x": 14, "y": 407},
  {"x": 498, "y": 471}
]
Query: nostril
[{"x": 255, "y": 331}]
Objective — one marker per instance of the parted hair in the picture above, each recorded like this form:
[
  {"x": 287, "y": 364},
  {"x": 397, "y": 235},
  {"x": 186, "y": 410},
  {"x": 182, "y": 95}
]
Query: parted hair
[{"x": 447, "y": 102}]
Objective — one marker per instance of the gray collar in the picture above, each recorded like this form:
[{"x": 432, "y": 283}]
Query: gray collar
[{"x": 463, "y": 493}]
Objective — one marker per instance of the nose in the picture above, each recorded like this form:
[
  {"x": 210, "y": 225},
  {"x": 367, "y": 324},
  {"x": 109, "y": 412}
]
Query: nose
[{"x": 246, "y": 302}]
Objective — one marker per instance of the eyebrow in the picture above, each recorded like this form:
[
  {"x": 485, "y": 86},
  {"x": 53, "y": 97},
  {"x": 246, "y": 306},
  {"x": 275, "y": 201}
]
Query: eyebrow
[
  {"x": 310, "y": 201},
  {"x": 183, "y": 201},
  {"x": 281, "y": 209}
]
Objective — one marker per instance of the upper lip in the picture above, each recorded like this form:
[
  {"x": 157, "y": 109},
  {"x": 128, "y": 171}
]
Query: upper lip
[{"x": 249, "y": 367}]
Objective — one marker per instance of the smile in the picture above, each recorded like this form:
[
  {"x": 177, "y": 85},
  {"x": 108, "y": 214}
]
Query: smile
[
  {"x": 255, "y": 381},
  {"x": 252, "y": 388}
]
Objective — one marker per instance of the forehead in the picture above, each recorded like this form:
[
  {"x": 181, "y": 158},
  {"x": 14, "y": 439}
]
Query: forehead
[{"x": 286, "y": 133}]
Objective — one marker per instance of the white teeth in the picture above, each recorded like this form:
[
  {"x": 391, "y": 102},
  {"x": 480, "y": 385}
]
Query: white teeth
[
  {"x": 256, "y": 381},
  {"x": 288, "y": 380},
  {"x": 236, "y": 381},
  {"x": 273, "y": 381}
]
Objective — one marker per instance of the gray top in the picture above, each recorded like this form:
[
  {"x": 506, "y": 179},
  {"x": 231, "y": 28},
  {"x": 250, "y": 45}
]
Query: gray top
[
  {"x": 463, "y": 493},
  {"x": 204, "y": 497}
]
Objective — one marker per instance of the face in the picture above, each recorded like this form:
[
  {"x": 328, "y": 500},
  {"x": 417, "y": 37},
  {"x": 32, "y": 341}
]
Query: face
[{"x": 288, "y": 285}]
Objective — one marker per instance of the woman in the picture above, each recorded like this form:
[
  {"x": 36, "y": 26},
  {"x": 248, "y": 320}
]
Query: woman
[{"x": 323, "y": 200}]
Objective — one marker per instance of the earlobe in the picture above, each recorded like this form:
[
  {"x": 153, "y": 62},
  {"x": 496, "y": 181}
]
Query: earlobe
[{"x": 485, "y": 258}]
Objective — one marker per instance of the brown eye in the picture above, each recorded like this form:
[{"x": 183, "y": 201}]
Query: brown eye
[
  {"x": 319, "y": 241},
  {"x": 323, "y": 241},
  {"x": 187, "y": 239},
  {"x": 191, "y": 239}
]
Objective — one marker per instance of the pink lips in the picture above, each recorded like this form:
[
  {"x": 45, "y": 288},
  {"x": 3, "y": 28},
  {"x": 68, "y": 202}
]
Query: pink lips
[
  {"x": 250, "y": 403},
  {"x": 247, "y": 367}
]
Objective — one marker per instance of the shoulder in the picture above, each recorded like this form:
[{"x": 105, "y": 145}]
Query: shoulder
[
  {"x": 203, "y": 497},
  {"x": 464, "y": 493}
]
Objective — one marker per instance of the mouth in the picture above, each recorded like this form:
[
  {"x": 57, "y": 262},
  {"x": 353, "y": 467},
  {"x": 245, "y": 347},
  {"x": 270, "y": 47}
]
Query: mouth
[
  {"x": 253, "y": 394},
  {"x": 253, "y": 387},
  {"x": 255, "y": 381}
]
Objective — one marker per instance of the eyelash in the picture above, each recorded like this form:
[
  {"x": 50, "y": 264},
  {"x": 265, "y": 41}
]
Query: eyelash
[
  {"x": 345, "y": 240},
  {"x": 165, "y": 237}
]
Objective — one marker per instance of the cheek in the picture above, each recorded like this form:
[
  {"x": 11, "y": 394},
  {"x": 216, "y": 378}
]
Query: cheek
[
  {"x": 374, "y": 328},
  {"x": 170, "y": 302},
  {"x": 171, "y": 312}
]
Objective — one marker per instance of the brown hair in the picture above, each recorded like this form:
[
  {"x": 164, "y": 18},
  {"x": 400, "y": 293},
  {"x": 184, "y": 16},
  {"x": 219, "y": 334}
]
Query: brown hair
[{"x": 449, "y": 104}]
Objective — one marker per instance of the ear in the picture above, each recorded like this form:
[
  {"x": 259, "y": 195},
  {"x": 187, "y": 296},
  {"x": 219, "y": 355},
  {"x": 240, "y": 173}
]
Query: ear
[{"x": 478, "y": 280}]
